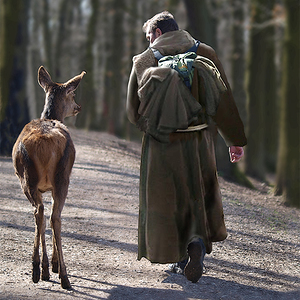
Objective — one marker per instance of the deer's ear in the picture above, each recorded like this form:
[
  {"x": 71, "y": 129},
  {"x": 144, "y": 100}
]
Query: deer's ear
[
  {"x": 44, "y": 78},
  {"x": 73, "y": 83}
]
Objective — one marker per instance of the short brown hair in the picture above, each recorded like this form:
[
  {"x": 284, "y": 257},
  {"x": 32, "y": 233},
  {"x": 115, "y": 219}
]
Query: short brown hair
[{"x": 164, "y": 21}]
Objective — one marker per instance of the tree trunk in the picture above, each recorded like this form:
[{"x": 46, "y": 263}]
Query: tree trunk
[
  {"x": 87, "y": 118},
  {"x": 257, "y": 75},
  {"x": 13, "y": 41},
  {"x": 238, "y": 57},
  {"x": 134, "y": 29},
  {"x": 288, "y": 171},
  {"x": 47, "y": 36},
  {"x": 8, "y": 33},
  {"x": 172, "y": 5},
  {"x": 200, "y": 23},
  {"x": 62, "y": 37},
  {"x": 115, "y": 70},
  {"x": 227, "y": 169},
  {"x": 35, "y": 93},
  {"x": 271, "y": 108}
]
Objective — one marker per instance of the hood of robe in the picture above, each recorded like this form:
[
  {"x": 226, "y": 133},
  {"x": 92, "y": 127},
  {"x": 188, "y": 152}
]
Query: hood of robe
[{"x": 173, "y": 42}]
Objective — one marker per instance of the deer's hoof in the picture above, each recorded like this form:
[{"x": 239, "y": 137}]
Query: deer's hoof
[
  {"x": 45, "y": 272},
  {"x": 36, "y": 272},
  {"x": 65, "y": 283},
  {"x": 45, "y": 275},
  {"x": 55, "y": 267}
]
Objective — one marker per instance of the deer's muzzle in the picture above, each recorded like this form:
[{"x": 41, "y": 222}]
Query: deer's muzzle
[{"x": 77, "y": 109}]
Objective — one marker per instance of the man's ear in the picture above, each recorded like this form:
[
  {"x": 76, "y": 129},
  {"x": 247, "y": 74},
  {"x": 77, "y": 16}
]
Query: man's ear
[{"x": 158, "y": 32}]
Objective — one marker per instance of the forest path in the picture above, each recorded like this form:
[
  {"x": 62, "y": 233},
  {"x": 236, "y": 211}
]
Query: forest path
[{"x": 260, "y": 259}]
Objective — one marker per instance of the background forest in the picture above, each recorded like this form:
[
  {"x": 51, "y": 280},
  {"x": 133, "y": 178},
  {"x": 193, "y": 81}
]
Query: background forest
[{"x": 256, "y": 40}]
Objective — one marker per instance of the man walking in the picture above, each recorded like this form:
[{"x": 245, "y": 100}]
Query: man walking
[{"x": 180, "y": 212}]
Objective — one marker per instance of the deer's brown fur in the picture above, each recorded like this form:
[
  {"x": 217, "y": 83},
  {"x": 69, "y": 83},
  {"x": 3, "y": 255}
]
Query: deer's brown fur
[{"x": 43, "y": 157}]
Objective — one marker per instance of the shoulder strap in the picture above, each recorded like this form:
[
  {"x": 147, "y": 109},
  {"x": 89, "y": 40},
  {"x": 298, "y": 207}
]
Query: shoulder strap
[
  {"x": 157, "y": 54},
  {"x": 195, "y": 47}
]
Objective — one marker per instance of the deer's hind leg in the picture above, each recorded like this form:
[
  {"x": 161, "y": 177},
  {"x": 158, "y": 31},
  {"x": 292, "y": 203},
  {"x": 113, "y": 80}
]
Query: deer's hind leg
[
  {"x": 26, "y": 171},
  {"x": 45, "y": 261},
  {"x": 36, "y": 273},
  {"x": 29, "y": 186},
  {"x": 54, "y": 260},
  {"x": 40, "y": 225},
  {"x": 40, "y": 222}
]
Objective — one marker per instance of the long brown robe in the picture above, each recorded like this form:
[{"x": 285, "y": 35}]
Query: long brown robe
[{"x": 180, "y": 198}]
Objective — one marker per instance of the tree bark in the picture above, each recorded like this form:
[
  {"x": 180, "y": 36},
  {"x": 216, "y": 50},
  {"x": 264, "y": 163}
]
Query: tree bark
[
  {"x": 227, "y": 169},
  {"x": 9, "y": 19},
  {"x": 87, "y": 118},
  {"x": 288, "y": 170},
  {"x": 257, "y": 76},
  {"x": 201, "y": 24},
  {"x": 13, "y": 40},
  {"x": 134, "y": 29},
  {"x": 238, "y": 57},
  {"x": 62, "y": 37},
  {"x": 114, "y": 71},
  {"x": 47, "y": 36},
  {"x": 35, "y": 93},
  {"x": 271, "y": 109}
]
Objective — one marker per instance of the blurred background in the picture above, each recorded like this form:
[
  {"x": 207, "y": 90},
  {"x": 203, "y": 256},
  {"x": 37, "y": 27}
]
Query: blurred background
[{"x": 257, "y": 42}]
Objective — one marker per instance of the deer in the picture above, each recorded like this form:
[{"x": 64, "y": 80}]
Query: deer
[{"x": 43, "y": 157}]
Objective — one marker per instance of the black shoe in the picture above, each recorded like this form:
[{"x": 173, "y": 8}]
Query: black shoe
[{"x": 194, "y": 268}]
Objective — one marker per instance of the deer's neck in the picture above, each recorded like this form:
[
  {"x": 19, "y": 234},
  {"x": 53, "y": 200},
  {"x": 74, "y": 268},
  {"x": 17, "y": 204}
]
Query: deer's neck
[{"x": 51, "y": 111}]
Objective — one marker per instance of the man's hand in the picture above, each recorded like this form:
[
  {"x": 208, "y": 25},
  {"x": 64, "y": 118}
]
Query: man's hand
[{"x": 236, "y": 153}]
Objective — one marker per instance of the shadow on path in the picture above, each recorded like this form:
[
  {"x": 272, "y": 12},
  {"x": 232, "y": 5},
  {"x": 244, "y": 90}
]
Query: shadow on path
[{"x": 208, "y": 288}]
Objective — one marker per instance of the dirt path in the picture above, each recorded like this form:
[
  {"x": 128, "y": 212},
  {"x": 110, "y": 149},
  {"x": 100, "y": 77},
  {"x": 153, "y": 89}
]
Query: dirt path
[{"x": 259, "y": 260}]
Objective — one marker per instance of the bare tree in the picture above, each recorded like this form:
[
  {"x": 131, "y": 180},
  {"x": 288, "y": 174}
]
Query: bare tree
[
  {"x": 63, "y": 36},
  {"x": 238, "y": 77},
  {"x": 288, "y": 170},
  {"x": 271, "y": 105},
  {"x": 238, "y": 55},
  {"x": 236, "y": 35},
  {"x": 115, "y": 70},
  {"x": 201, "y": 23},
  {"x": 88, "y": 116},
  {"x": 13, "y": 41},
  {"x": 47, "y": 36},
  {"x": 257, "y": 88}
]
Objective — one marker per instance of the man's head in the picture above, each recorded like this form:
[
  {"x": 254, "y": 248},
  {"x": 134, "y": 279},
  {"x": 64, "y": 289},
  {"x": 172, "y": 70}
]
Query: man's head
[{"x": 158, "y": 25}]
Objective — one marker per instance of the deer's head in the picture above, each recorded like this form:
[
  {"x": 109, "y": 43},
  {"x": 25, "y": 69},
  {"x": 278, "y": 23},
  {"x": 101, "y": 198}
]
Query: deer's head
[{"x": 60, "y": 97}]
